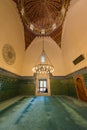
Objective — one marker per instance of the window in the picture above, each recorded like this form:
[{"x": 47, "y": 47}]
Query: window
[{"x": 43, "y": 85}]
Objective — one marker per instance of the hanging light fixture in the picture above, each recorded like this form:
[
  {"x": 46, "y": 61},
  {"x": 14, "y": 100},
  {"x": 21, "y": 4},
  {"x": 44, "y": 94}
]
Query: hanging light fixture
[{"x": 45, "y": 66}]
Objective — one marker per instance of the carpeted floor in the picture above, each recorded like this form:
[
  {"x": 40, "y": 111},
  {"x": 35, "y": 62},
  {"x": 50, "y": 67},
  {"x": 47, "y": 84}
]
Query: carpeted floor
[{"x": 45, "y": 113}]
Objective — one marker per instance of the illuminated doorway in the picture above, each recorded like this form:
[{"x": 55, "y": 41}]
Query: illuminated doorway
[{"x": 43, "y": 86}]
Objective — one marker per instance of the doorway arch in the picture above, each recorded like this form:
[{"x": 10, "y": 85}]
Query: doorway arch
[{"x": 80, "y": 88}]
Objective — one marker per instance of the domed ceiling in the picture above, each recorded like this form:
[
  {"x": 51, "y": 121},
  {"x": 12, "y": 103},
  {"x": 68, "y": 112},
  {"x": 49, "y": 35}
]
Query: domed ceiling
[{"x": 42, "y": 18}]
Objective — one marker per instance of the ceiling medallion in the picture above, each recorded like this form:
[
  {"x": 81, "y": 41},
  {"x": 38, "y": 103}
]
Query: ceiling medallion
[
  {"x": 8, "y": 54},
  {"x": 43, "y": 17}
]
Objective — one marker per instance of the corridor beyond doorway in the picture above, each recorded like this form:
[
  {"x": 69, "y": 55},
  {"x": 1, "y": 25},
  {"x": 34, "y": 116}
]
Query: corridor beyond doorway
[{"x": 45, "y": 113}]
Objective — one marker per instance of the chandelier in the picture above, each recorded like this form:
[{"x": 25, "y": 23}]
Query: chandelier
[{"x": 45, "y": 66}]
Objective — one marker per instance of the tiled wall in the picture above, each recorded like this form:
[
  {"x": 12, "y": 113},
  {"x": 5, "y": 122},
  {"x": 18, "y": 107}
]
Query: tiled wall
[
  {"x": 8, "y": 87},
  {"x": 85, "y": 79},
  {"x": 63, "y": 87},
  {"x": 12, "y": 85},
  {"x": 27, "y": 86}
]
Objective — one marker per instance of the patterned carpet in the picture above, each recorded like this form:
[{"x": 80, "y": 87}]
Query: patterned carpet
[{"x": 45, "y": 113}]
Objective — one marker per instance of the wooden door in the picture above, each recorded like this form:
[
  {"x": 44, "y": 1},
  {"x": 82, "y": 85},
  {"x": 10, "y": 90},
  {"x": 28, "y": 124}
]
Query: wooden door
[{"x": 80, "y": 88}]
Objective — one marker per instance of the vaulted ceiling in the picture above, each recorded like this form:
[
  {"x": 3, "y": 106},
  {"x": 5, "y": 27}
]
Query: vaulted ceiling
[{"x": 42, "y": 18}]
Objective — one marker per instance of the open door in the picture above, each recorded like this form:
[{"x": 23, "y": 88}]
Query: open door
[{"x": 80, "y": 88}]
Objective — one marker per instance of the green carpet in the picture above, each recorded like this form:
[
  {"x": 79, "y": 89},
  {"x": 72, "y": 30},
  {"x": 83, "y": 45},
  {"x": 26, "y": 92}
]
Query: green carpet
[{"x": 45, "y": 113}]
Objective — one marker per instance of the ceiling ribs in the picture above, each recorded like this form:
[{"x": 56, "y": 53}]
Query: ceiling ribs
[{"x": 42, "y": 18}]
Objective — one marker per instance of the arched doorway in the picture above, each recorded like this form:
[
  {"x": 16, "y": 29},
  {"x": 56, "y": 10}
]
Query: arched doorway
[{"x": 80, "y": 88}]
